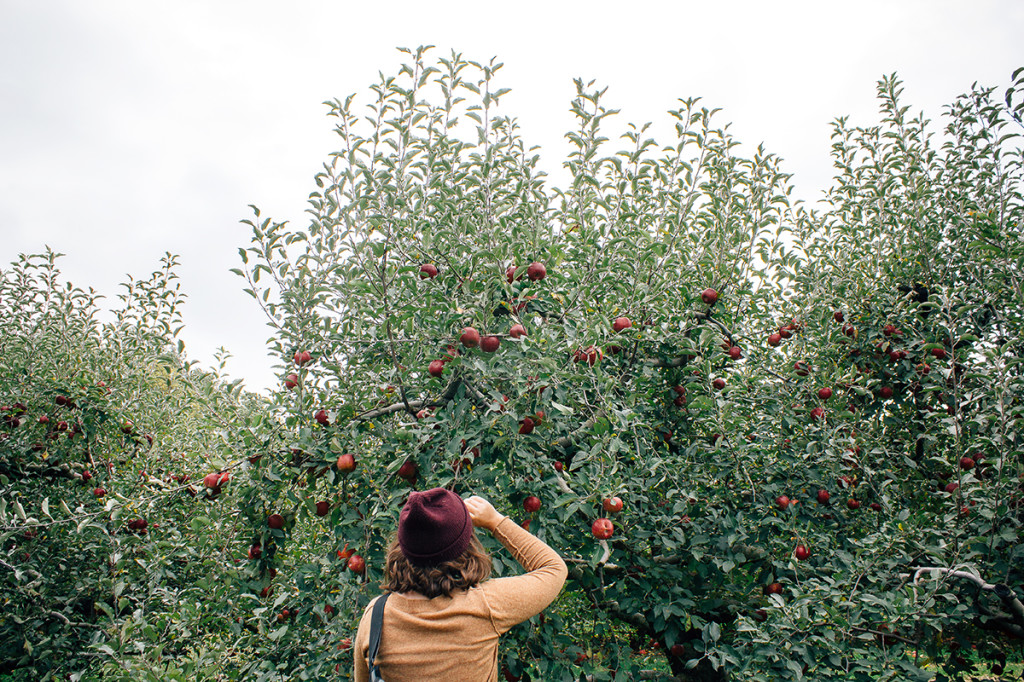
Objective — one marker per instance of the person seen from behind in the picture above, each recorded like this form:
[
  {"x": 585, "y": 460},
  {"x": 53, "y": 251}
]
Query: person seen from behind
[{"x": 443, "y": 615}]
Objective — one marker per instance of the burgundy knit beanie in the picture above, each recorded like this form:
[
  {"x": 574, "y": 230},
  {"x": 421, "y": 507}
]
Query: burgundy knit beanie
[{"x": 434, "y": 527}]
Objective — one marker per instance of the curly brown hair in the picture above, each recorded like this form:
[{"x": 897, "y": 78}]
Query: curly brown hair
[{"x": 471, "y": 568}]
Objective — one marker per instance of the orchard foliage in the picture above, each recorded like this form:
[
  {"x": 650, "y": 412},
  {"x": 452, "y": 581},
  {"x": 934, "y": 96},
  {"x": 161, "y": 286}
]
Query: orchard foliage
[
  {"x": 800, "y": 459},
  {"x": 108, "y": 551},
  {"x": 425, "y": 223}
]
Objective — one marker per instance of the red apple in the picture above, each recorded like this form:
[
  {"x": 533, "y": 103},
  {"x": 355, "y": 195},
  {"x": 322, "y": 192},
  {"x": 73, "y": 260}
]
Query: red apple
[
  {"x": 612, "y": 504},
  {"x": 356, "y": 564},
  {"x": 526, "y": 426},
  {"x": 825, "y": 393},
  {"x": 517, "y": 331},
  {"x": 621, "y": 323},
  {"x": 709, "y": 296},
  {"x": 43, "y": 419},
  {"x": 436, "y": 368},
  {"x": 347, "y": 463},
  {"x": 889, "y": 330},
  {"x": 322, "y": 418},
  {"x": 939, "y": 353},
  {"x": 99, "y": 492},
  {"x": 885, "y": 392},
  {"x": 849, "y": 330},
  {"x": 510, "y": 273},
  {"x": 536, "y": 272},
  {"x": 212, "y": 480},
  {"x": 291, "y": 381},
  {"x": 323, "y": 507},
  {"x": 773, "y": 588},
  {"x": 817, "y": 413},
  {"x": 966, "y": 463},
  {"x": 735, "y": 353},
  {"x": 951, "y": 487},
  {"x": 801, "y": 369},
  {"x": 489, "y": 344},
  {"x": 558, "y": 466},
  {"x": 782, "y": 502},
  {"x": 531, "y": 504},
  {"x": 823, "y": 496},
  {"x": 408, "y": 470},
  {"x": 774, "y": 339},
  {"x": 428, "y": 271},
  {"x": 275, "y": 521},
  {"x": 344, "y": 553},
  {"x": 801, "y": 552},
  {"x": 853, "y": 504},
  {"x": 784, "y": 332},
  {"x": 303, "y": 357},
  {"x": 719, "y": 384},
  {"x": 86, "y": 475},
  {"x": 470, "y": 337},
  {"x": 875, "y": 507},
  {"x": 602, "y": 529},
  {"x": 838, "y": 316},
  {"x": 255, "y": 552}
]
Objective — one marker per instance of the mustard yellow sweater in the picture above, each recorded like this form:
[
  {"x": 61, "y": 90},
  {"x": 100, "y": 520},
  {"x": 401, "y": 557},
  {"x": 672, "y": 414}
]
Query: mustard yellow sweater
[{"x": 456, "y": 638}]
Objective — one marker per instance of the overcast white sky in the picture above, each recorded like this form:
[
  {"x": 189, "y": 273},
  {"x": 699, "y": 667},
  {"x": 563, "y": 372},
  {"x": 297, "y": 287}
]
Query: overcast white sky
[{"x": 132, "y": 128}]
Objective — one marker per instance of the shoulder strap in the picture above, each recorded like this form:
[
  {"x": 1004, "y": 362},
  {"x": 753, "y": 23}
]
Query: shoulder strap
[{"x": 376, "y": 620}]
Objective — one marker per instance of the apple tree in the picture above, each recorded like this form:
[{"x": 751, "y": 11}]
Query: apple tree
[
  {"x": 771, "y": 442},
  {"x": 111, "y": 550}
]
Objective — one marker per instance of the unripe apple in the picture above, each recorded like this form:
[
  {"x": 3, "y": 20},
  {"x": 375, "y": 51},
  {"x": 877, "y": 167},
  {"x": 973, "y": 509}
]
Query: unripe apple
[
  {"x": 709, "y": 296},
  {"x": 531, "y": 504},
  {"x": 612, "y": 504},
  {"x": 782, "y": 502},
  {"x": 428, "y": 271},
  {"x": 436, "y": 368},
  {"x": 275, "y": 521},
  {"x": 517, "y": 331},
  {"x": 347, "y": 463},
  {"x": 602, "y": 529},
  {"x": 470, "y": 337},
  {"x": 291, "y": 381},
  {"x": 719, "y": 384},
  {"x": 823, "y": 496},
  {"x": 621, "y": 323},
  {"x": 825, "y": 393},
  {"x": 356, "y": 564},
  {"x": 536, "y": 272},
  {"x": 801, "y": 552},
  {"x": 323, "y": 507},
  {"x": 489, "y": 344}
]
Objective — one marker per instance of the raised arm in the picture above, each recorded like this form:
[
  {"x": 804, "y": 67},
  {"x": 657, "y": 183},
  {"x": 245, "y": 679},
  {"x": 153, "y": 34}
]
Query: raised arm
[{"x": 512, "y": 600}]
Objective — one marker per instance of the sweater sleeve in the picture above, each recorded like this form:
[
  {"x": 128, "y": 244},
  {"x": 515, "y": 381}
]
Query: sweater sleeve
[{"x": 514, "y": 599}]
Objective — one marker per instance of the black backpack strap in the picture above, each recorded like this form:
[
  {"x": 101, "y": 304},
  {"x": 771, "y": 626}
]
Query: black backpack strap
[{"x": 376, "y": 620}]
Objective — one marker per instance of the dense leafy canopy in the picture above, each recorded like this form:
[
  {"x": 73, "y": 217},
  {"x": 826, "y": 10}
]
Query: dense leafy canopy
[{"x": 818, "y": 460}]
